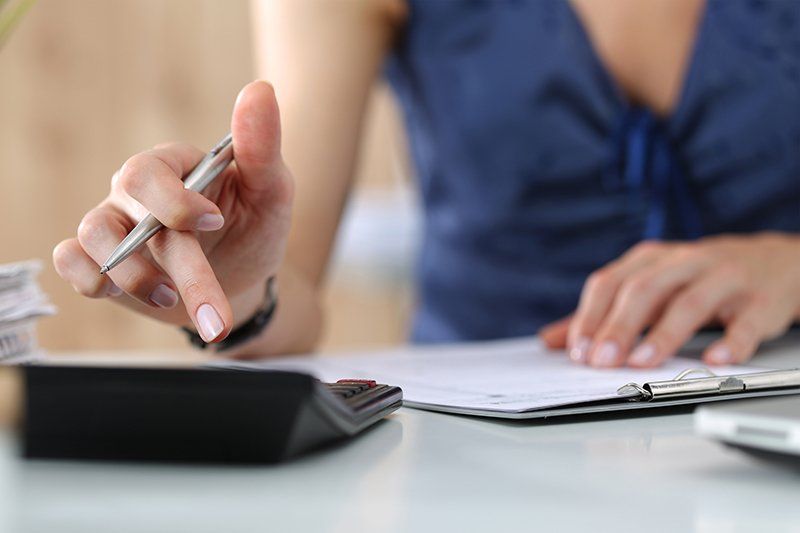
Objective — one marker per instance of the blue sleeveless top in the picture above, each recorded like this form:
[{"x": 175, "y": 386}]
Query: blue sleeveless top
[{"x": 534, "y": 170}]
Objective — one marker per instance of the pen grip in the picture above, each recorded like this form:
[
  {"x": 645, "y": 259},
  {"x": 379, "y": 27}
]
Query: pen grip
[
  {"x": 198, "y": 179},
  {"x": 145, "y": 229},
  {"x": 208, "y": 169}
]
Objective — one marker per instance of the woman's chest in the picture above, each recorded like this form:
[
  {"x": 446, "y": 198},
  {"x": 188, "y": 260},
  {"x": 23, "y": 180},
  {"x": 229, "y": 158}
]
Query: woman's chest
[
  {"x": 646, "y": 47},
  {"x": 511, "y": 79}
]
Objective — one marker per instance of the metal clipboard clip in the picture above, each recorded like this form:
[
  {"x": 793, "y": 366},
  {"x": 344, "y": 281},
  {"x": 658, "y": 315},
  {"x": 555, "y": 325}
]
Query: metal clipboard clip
[{"x": 683, "y": 385}]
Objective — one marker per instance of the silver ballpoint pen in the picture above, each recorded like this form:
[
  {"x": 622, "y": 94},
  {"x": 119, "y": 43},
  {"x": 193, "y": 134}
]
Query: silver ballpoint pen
[{"x": 198, "y": 179}]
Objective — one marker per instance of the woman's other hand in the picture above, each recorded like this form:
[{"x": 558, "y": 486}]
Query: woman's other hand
[
  {"x": 642, "y": 308},
  {"x": 218, "y": 248}
]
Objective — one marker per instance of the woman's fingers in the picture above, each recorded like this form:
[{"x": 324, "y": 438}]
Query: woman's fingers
[
  {"x": 598, "y": 296},
  {"x": 687, "y": 312},
  {"x": 755, "y": 322},
  {"x": 100, "y": 231},
  {"x": 638, "y": 301},
  {"x": 740, "y": 342},
  {"x": 77, "y": 268},
  {"x": 182, "y": 258},
  {"x": 554, "y": 335},
  {"x": 154, "y": 179},
  {"x": 179, "y": 254},
  {"x": 676, "y": 289}
]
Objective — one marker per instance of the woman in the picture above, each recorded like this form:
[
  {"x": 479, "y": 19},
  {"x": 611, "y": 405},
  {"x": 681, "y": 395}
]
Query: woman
[{"x": 634, "y": 166}]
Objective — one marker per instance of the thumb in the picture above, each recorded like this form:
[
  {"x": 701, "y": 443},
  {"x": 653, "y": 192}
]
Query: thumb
[{"x": 256, "y": 130}]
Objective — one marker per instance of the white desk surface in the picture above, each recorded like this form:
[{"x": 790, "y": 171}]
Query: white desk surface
[{"x": 421, "y": 471}]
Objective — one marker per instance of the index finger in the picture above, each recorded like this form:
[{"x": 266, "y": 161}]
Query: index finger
[
  {"x": 180, "y": 255},
  {"x": 181, "y": 157}
]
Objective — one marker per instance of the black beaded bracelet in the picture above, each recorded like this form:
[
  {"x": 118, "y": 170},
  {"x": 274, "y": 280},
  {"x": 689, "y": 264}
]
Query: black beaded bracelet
[{"x": 250, "y": 329}]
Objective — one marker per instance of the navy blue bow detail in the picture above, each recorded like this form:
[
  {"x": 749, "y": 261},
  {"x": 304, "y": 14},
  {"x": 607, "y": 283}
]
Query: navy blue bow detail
[{"x": 647, "y": 165}]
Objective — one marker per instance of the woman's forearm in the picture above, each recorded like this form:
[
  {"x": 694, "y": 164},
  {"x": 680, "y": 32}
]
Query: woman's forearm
[{"x": 321, "y": 112}]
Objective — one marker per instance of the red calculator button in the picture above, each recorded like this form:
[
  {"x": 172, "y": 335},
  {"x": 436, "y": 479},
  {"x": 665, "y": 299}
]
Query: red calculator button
[{"x": 368, "y": 382}]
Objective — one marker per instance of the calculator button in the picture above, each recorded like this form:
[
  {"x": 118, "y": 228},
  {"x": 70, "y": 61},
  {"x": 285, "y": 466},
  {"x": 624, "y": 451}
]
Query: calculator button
[{"x": 370, "y": 383}]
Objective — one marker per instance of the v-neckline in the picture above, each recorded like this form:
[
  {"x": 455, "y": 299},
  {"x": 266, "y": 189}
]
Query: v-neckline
[{"x": 611, "y": 82}]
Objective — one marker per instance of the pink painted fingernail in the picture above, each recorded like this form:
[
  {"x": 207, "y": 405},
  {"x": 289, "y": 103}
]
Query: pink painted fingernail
[
  {"x": 209, "y": 323},
  {"x": 209, "y": 222},
  {"x": 643, "y": 355},
  {"x": 580, "y": 352},
  {"x": 720, "y": 355},
  {"x": 606, "y": 354},
  {"x": 163, "y": 296},
  {"x": 113, "y": 291}
]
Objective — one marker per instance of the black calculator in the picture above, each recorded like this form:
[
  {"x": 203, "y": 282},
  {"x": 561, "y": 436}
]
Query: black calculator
[{"x": 192, "y": 414}]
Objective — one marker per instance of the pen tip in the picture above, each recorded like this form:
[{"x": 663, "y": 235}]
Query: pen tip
[{"x": 103, "y": 270}]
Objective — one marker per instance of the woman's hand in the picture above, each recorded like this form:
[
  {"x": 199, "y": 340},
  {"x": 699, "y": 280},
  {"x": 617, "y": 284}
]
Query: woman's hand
[
  {"x": 748, "y": 284},
  {"x": 219, "y": 248}
]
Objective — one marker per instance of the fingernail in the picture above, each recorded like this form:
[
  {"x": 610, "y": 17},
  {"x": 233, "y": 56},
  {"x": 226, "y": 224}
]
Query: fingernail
[
  {"x": 580, "y": 352},
  {"x": 643, "y": 355},
  {"x": 164, "y": 296},
  {"x": 606, "y": 354},
  {"x": 113, "y": 291},
  {"x": 209, "y": 324},
  {"x": 721, "y": 355},
  {"x": 209, "y": 222}
]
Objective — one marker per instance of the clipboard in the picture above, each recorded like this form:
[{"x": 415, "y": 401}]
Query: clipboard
[
  {"x": 521, "y": 379},
  {"x": 682, "y": 390}
]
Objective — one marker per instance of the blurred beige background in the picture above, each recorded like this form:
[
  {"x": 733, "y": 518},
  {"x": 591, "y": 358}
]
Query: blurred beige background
[{"x": 86, "y": 83}]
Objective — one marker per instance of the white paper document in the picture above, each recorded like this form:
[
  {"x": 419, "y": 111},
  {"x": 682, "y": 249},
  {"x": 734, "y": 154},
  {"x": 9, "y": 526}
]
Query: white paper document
[
  {"x": 512, "y": 378},
  {"x": 22, "y": 303}
]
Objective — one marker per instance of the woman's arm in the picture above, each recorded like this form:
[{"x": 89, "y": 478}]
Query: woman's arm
[
  {"x": 208, "y": 268},
  {"x": 323, "y": 57}
]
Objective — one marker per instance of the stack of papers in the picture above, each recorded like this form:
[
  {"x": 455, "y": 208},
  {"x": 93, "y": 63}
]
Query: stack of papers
[{"x": 22, "y": 302}]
